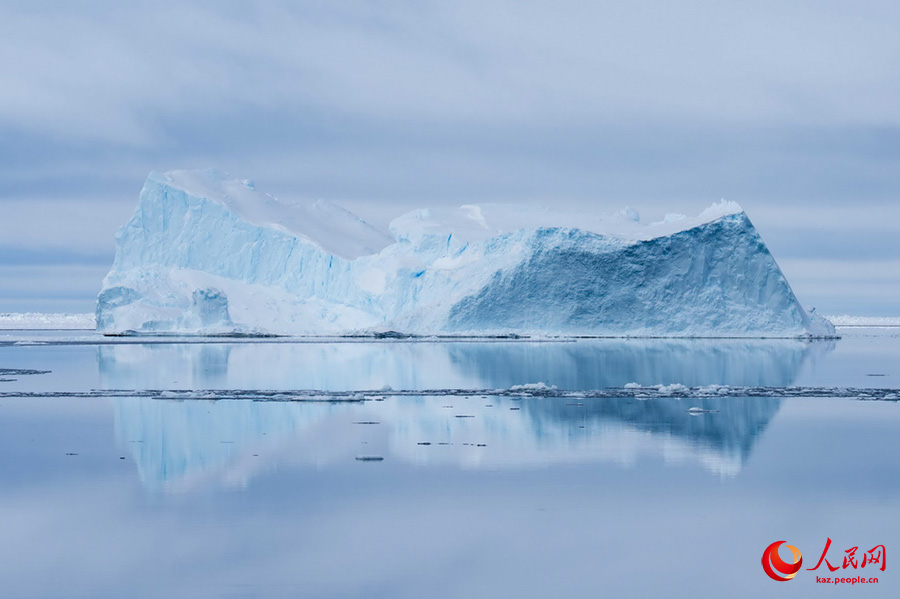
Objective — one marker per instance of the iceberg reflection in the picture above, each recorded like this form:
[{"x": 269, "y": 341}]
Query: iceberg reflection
[
  {"x": 583, "y": 364},
  {"x": 186, "y": 442},
  {"x": 183, "y": 442}
]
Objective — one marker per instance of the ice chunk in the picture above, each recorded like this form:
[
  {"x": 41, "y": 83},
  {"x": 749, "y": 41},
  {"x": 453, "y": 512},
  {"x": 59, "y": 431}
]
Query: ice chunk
[
  {"x": 38, "y": 320},
  {"x": 845, "y": 320},
  {"x": 541, "y": 386},
  {"x": 673, "y": 389},
  {"x": 207, "y": 254}
]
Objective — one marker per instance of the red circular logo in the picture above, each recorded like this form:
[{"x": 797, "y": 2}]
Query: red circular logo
[{"x": 772, "y": 562}]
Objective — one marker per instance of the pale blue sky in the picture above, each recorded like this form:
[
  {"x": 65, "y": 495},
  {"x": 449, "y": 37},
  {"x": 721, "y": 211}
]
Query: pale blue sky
[{"x": 791, "y": 109}]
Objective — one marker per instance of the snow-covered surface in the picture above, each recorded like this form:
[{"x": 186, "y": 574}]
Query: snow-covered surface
[
  {"x": 41, "y": 320},
  {"x": 204, "y": 254},
  {"x": 845, "y": 320},
  {"x": 334, "y": 229},
  {"x": 473, "y": 223}
]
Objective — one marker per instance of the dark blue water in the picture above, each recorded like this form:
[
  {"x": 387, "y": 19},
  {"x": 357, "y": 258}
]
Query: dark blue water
[{"x": 474, "y": 495}]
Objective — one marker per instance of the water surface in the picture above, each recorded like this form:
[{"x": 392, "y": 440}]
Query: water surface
[{"x": 475, "y": 494}]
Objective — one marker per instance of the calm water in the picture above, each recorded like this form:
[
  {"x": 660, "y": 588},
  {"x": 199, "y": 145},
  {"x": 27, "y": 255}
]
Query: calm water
[{"x": 476, "y": 493}]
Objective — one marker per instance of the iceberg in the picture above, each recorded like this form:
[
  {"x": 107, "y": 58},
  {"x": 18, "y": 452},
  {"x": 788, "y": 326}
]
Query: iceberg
[{"x": 207, "y": 254}]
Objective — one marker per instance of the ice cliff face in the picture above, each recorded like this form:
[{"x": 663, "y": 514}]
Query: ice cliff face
[{"x": 205, "y": 254}]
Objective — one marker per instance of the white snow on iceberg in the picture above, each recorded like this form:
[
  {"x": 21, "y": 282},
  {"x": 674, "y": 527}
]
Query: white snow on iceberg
[{"x": 206, "y": 254}]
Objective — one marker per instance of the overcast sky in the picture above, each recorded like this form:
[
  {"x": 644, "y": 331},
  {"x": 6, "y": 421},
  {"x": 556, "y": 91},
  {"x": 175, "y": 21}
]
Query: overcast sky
[{"x": 791, "y": 109}]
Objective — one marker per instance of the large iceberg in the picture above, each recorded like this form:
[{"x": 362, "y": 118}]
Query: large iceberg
[{"x": 206, "y": 254}]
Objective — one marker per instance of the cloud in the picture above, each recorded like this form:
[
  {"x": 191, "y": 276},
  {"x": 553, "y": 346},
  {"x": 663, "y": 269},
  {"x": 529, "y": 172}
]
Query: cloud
[
  {"x": 51, "y": 287},
  {"x": 664, "y": 106},
  {"x": 839, "y": 286},
  {"x": 112, "y": 73}
]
